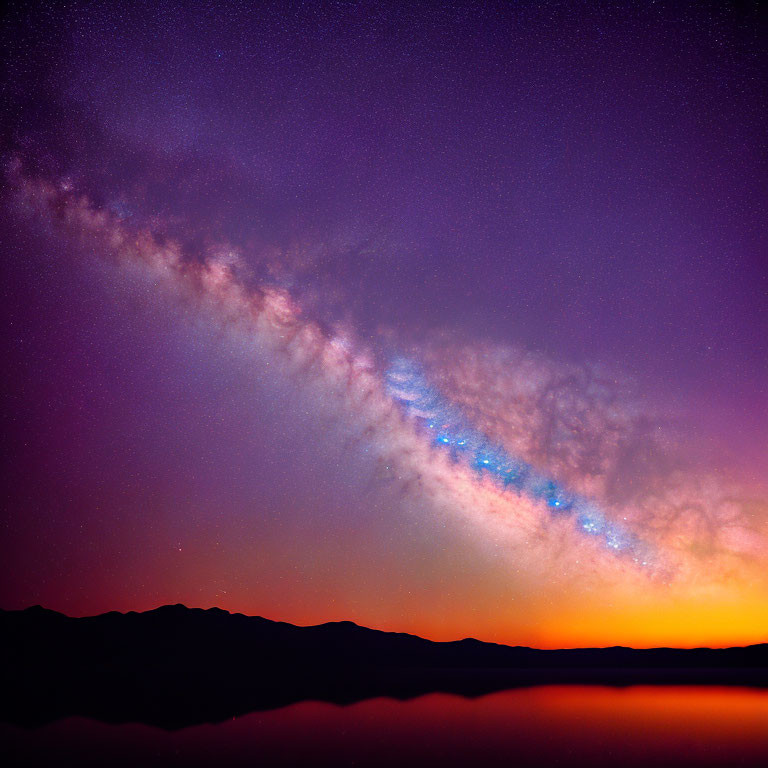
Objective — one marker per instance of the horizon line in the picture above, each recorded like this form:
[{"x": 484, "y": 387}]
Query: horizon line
[{"x": 383, "y": 631}]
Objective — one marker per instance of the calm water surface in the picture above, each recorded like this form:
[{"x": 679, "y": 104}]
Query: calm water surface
[{"x": 549, "y": 726}]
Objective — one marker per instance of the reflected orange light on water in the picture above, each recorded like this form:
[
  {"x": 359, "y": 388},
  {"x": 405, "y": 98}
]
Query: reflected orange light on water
[{"x": 550, "y": 725}]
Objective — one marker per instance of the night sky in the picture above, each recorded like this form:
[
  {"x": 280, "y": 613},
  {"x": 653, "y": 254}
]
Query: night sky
[{"x": 447, "y": 318}]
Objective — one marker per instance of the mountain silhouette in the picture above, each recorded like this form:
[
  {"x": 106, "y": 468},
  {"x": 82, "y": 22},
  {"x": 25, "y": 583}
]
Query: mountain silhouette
[{"x": 176, "y": 666}]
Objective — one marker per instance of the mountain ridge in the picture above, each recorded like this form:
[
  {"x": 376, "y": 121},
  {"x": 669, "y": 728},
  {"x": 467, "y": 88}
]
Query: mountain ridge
[{"x": 181, "y": 607}]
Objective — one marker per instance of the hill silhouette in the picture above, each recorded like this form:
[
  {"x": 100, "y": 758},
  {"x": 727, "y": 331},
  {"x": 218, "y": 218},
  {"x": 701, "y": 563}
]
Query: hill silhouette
[{"x": 176, "y": 666}]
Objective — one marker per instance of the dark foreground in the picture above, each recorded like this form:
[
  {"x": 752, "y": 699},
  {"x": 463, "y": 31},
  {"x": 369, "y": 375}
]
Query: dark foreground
[
  {"x": 175, "y": 667},
  {"x": 563, "y": 726}
]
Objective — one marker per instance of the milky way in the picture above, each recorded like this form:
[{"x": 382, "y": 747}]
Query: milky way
[{"x": 428, "y": 446}]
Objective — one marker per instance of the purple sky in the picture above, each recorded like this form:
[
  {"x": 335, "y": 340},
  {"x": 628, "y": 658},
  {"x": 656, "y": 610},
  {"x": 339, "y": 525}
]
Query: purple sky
[{"x": 583, "y": 183}]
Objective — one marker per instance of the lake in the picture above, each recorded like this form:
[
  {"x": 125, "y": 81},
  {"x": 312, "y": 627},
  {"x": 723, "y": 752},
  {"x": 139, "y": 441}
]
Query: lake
[{"x": 546, "y": 725}]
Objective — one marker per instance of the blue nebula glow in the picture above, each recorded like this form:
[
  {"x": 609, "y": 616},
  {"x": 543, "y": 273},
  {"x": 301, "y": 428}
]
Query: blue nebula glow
[{"x": 407, "y": 385}]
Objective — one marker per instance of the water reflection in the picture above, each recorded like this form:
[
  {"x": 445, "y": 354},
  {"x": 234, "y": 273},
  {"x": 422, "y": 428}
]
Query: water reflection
[{"x": 549, "y": 725}]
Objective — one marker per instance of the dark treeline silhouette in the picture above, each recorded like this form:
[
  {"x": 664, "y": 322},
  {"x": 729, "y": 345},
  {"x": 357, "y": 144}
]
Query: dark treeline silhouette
[{"x": 176, "y": 666}]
